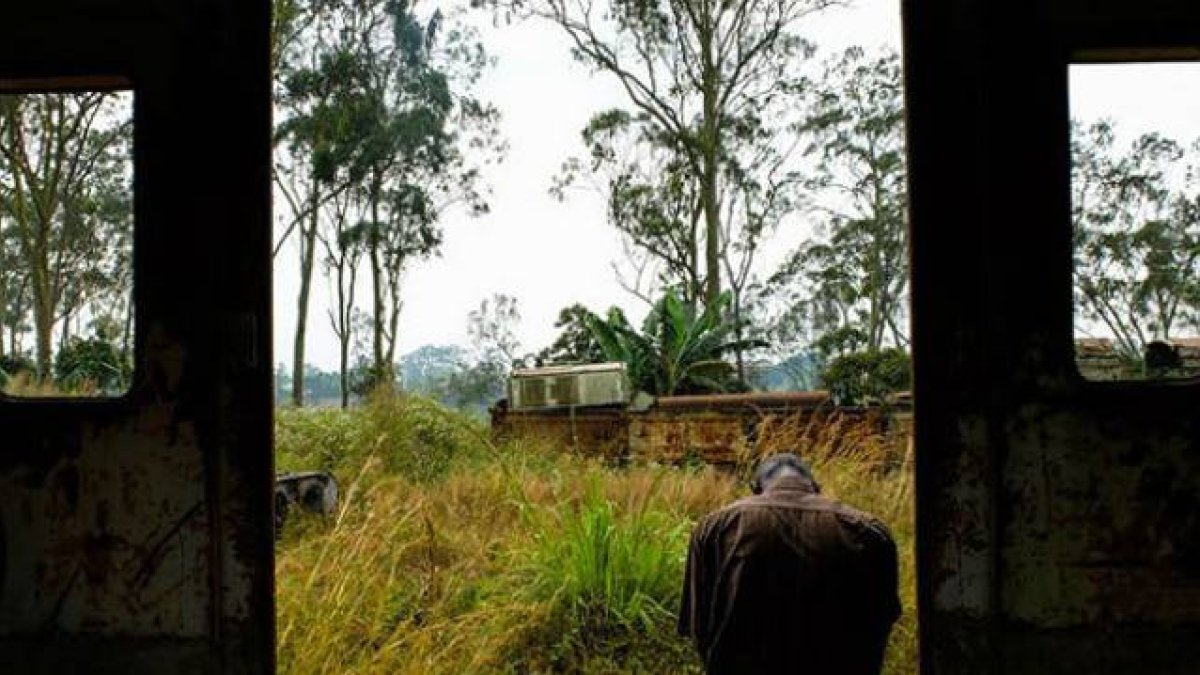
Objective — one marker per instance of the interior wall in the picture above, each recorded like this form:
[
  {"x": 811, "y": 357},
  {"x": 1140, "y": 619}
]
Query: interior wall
[
  {"x": 1057, "y": 518},
  {"x": 135, "y": 533}
]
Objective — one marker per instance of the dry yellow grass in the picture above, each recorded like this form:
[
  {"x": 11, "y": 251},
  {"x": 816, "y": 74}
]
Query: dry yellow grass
[
  {"x": 430, "y": 571},
  {"x": 26, "y": 385}
]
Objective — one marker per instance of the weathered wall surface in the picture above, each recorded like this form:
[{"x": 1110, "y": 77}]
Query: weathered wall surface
[
  {"x": 135, "y": 534},
  {"x": 593, "y": 432},
  {"x": 719, "y": 429},
  {"x": 1056, "y": 517}
]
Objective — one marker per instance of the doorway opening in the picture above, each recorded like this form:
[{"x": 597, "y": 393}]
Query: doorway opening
[{"x": 524, "y": 343}]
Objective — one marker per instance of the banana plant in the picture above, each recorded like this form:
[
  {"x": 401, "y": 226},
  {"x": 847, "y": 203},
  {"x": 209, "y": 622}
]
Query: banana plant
[{"x": 679, "y": 349}]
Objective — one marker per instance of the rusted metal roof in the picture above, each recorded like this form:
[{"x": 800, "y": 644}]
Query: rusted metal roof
[{"x": 790, "y": 399}]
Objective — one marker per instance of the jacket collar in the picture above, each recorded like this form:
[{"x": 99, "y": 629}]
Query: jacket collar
[{"x": 791, "y": 484}]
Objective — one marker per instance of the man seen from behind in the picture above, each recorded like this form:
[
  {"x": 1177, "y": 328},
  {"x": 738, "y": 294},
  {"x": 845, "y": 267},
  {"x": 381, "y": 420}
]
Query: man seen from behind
[{"x": 789, "y": 581}]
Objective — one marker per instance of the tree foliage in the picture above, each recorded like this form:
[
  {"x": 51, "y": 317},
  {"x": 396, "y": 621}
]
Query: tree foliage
[
  {"x": 1136, "y": 216},
  {"x": 480, "y": 377},
  {"x": 380, "y": 135},
  {"x": 867, "y": 376},
  {"x": 575, "y": 343},
  {"x": 66, "y": 217}
]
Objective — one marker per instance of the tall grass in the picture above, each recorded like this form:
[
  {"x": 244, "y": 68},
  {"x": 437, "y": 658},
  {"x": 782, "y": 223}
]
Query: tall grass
[
  {"x": 453, "y": 555},
  {"x": 28, "y": 385}
]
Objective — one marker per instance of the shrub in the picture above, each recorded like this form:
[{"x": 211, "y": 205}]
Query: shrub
[{"x": 92, "y": 363}]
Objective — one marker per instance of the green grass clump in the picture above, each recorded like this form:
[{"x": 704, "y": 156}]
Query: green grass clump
[
  {"x": 450, "y": 554},
  {"x": 618, "y": 568},
  {"x": 610, "y": 576}
]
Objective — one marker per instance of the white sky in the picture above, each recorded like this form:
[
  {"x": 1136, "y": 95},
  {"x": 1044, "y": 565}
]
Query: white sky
[
  {"x": 545, "y": 253},
  {"x": 549, "y": 254},
  {"x": 1139, "y": 97}
]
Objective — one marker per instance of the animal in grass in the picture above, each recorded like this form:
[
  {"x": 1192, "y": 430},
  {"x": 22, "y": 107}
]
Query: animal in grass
[
  {"x": 312, "y": 491},
  {"x": 788, "y": 580}
]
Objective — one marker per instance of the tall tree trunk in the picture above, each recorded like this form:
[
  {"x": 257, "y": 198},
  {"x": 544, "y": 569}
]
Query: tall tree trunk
[
  {"x": 394, "y": 313},
  {"x": 43, "y": 304},
  {"x": 712, "y": 231},
  {"x": 376, "y": 304},
  {"x": 64, "y": 335},
  {"x": 344, "y": 365},
  {"x": 127, "y": 330},
  {"x": 3, "y": 307},
  {"x": 308, "y": 244},
  {"x": 710, "y": 156},
  {"x": 737, "y": 328},
  {"x": 33, "y": 221},
  {"x": 383, "y": 369},
  {"x": 345, "y": 312},
  {"x": 340, "y": 329},
  {"x": 43, "y": 324}
]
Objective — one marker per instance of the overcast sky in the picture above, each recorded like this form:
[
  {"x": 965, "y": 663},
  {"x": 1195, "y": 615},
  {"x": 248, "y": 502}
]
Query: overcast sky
[{"x": 549, "y": 254}]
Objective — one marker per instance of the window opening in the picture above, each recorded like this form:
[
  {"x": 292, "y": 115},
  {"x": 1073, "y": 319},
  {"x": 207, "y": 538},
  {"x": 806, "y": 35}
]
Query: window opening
[
  {"x": 66, "y": 239},
  {"x": 1135, "y": 209}
]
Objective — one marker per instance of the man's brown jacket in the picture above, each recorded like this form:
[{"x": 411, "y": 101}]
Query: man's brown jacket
[{"x": 790, "y": 582}]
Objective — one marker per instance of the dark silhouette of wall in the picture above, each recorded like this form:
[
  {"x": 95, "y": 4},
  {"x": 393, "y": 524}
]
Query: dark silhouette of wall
[
  {"x": 1057, "y": 518},
  {"x": 135, "y": 533}
]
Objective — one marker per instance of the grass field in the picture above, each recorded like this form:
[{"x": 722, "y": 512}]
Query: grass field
[{"x": 450, "y": 554}]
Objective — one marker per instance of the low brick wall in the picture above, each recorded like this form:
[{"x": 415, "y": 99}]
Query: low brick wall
[{"x": 721, "y": 430}]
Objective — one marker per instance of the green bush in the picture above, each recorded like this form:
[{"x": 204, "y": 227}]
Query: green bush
[
  {"x": 419, "y": 437},
  {"x": 867, "y": 376},
  {"x": 13, "y": 365},
  {"x": 309, "y": 439},
  {"x": 411, "y": 436},
  {"x": 92, "y": 362}
]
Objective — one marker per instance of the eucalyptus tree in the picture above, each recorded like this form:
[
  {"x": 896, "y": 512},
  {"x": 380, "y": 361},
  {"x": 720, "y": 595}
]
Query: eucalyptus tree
[
  {"x": 853, "y": 274},
  {"x": 425, "y": 139},
  {"x": 342, "y": 242},
  {"x": 317, "y": 135},
  {"x": 376, "y": 110},
  {"x": 711, "y": 85}
]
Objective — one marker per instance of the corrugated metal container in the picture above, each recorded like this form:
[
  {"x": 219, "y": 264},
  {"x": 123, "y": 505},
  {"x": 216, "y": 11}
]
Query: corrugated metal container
[{"x": 566, "y": 386}]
